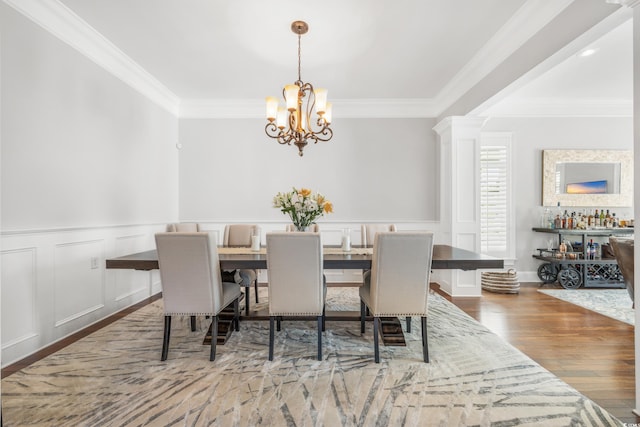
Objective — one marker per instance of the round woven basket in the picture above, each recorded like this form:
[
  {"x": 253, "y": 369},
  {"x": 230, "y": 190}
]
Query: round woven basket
[{"x": 503, "y": 282}]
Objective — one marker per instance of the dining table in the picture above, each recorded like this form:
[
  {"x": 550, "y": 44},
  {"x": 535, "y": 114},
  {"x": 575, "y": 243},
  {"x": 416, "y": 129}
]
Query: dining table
[
  {"x": 445, "y": 257},
  {"x": 334, "y": 257}
]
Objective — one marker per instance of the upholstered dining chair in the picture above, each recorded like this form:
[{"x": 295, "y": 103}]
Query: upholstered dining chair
[
  {"x": 314, "y": 228},
  {"x": 185, "y": 227},
  {"x": 240, "y": 235},
  {"x": 369, "y": 231},
  {"x": 398, "y": 282},
  {"x": 296, "y": 281},
  {"x": 191, "y": 282},
  {"x": 624, "y": 252}
]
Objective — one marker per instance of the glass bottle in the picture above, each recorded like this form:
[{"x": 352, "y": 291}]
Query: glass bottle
[{"x": 544, "y": 219}]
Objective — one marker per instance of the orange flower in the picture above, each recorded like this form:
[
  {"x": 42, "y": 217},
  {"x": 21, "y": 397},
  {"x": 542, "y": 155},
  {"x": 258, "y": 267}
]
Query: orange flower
[
  {"x": 304, "y": 192},
  {"x": 328, "y": 207},
  {"x": 320, "y": 199}
]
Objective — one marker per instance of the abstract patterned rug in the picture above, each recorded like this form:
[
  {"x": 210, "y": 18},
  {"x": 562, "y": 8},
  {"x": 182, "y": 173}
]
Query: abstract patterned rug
[
  {"x": 114, "y": 377},
  {"x": 614, "y": 303}
]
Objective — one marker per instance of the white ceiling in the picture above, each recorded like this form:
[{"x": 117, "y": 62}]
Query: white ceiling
[
  {"x": 358, "y": 49},
  {"x": 245, "y": 48},
  {"x": 599, "y": 84}
]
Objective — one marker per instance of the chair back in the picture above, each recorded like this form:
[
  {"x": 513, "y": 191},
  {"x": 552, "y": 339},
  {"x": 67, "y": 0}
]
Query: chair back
[
  {"x": 400, "y": 270},
  {"x": 294, "y": 265},
  {"x": 314, "y": 228},
  {"x": 369, "y": 231},
  {"x": 239, "y": 234},
  {"x": 624, "y": 252},
  {"x": 190, "y": 273},
  {"x": 186, "y": 227}
]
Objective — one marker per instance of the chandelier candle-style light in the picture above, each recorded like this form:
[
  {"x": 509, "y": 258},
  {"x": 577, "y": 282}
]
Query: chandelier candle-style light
[{"x": 301, "y": 99}]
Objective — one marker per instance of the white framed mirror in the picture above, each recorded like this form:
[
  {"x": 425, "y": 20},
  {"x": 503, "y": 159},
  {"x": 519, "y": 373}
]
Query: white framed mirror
[{"x": 587, "y": 178}]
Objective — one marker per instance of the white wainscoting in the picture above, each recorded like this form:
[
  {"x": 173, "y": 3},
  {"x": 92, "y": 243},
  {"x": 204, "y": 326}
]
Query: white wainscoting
[{"x": 54, "y": 282}]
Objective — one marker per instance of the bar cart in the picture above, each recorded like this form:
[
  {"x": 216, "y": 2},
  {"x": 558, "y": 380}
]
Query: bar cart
[{"x": 575, "y": 269}]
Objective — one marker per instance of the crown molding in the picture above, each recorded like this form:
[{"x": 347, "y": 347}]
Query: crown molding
[
  {"x": 342, "y": 108},
  {"x": 628, "y": 3},
  {"x": 526, "y": 22},
  {"x": 63, "y": 23},
  {"x": 549, "y": 107}
]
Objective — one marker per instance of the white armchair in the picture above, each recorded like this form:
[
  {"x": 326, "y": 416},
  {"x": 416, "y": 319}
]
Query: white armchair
[
  {"x": 296, "y": 282},
  {"x": 185, "y": 227},
  {"x": 240, "y": 235},
  {"x": 369, "y": 231},
  {"x": 191, "y": 282},
  {"x": 398, "y": 282}
]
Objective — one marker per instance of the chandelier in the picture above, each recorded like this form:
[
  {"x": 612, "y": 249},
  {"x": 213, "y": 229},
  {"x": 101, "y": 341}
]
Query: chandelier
[{"x": 293, "y": 123}]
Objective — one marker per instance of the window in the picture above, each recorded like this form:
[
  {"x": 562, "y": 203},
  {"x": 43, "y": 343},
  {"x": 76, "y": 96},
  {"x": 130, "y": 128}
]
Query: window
[{"x": 495, "y": 198}]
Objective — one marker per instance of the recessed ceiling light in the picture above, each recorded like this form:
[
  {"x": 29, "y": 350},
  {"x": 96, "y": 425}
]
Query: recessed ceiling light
[{"x": 588, "y": 52}]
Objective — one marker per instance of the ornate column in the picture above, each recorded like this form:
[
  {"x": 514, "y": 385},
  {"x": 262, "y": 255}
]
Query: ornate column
[{"x": 459, "y": 150}]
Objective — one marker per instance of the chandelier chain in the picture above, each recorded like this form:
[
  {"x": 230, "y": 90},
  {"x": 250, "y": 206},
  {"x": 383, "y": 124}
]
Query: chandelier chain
[{"x": 299, "y": 58}]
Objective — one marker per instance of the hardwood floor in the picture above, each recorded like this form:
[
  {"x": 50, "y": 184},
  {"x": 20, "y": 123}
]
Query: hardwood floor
[{"x": 592, "y": 353}]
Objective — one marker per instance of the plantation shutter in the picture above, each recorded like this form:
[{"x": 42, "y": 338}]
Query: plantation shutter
[{"x": 493, "y": 199}]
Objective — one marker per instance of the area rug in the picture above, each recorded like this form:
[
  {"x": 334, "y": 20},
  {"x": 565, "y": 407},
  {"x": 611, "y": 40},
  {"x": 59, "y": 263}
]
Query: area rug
[
  {"x": 614, "y": 303},
  {"x": 114, "y": 377}
]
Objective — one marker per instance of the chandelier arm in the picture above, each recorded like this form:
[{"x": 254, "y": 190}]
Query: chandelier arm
[
  {"x": 324, "y": 135},
  {"x": 295, "y": 133},
  {"x": 272, "y": 131}
]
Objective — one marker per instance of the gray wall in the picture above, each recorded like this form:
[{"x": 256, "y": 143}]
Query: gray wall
[
  {"x": 88, "y": 171},
  {"x": 530, "y": 137},
  {"x": 382, "y": 169},
  {"x": 79, "y": 147}
]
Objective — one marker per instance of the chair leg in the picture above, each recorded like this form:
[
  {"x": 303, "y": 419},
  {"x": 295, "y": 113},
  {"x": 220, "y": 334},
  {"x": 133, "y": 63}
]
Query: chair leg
[
  {"x": 376, "y": 349},
  {"x": 247, "y": 297},
  {"x": 425, "y": 344},
  {"x": 320, "y": 329},
  {"x": 323, "y": 318},
  {"x": 256, "y": 286},
  {"x": 271, "y": 336},
  {"x": 214, "y": 338},
  {"x": 362, "y": 310},
  {"x": 278, "y": 323},
  {"x": 193, "y": 323},
  {"x": 236, "y": 313},
  {"x": 165, "y": 339},
  {"x": 409, "y": 324}
]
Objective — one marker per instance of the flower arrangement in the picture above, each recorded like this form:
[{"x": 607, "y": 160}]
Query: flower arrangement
[{"x": 303, "y": 206}]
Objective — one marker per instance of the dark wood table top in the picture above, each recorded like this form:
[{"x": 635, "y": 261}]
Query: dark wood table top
[{"x": 444, "y": 258}]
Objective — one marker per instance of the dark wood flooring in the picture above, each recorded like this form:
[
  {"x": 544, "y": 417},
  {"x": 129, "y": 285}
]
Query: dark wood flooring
[{"x": 591, "y": 352}]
